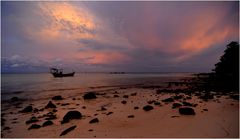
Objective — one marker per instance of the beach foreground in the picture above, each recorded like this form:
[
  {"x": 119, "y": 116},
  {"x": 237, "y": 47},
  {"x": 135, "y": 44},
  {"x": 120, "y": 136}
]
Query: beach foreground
[{"x": 121, "y": 112}]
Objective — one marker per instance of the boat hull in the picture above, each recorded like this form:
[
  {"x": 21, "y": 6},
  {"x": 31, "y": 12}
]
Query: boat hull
[{"x": 63, "y": 75}]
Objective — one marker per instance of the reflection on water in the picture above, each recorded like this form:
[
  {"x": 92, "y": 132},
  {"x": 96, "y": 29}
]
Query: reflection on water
[{"x": 45, "y": 82}]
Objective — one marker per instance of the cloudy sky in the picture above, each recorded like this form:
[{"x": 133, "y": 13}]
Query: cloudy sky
[{"x": 116, "y": 36}]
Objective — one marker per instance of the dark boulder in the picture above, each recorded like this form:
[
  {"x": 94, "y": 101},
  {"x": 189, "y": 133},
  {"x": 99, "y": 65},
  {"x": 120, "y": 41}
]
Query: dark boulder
[
  {"x": 133, "y": 94},
  {"x": 177, "y": 97},
  {"x": 124, "y": 102},
  {"x": 47, "y": 123},
  {"x": 27, "y": 109},
  {"x": 95, "y": 120},
  {"x": 186, "y": 111},
  {"x": 71, "y": 115},
  {"x": 147, "y": 107},
  {"x": 109, "y": 113},
  {"x": 68, "y": 130},
  {"x": 187, "y": 104},
  {"x": 34, "y": 126},
  {"x": 176, "y": 105},
  {"x": 116, "y": 96},
  {"x": 32, "y": 120},
  {"x": 168, "y": 100},
  {"x": 89, "y": 95},
  {"x": 13, "y": 99},
  {"x": 50, "y": 105},
  {"x": 57, "y": 97}
]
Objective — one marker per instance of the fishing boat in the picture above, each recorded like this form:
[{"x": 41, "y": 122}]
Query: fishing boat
[{"x": 59, "y": 73}]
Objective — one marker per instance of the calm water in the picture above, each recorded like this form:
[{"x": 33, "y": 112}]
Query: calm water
[{"x": 37, "y": 83}]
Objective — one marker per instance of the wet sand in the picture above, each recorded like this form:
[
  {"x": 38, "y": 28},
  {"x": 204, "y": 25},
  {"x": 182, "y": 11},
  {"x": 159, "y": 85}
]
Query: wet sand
[{"x": 214, "y": 117}]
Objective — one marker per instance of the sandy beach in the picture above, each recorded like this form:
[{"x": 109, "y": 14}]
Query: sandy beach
[{"x": 120, "y": 113}]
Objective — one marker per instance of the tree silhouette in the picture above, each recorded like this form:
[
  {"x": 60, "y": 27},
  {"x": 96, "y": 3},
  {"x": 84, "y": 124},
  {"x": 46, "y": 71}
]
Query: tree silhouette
[
  {"x": 227, "y": 70},
  {"x": 225, "y": 76}
]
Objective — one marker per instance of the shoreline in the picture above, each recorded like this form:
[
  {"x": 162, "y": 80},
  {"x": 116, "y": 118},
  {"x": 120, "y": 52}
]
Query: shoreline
[{"x": 216, "y": 117}]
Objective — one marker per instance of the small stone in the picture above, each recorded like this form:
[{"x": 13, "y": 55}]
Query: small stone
[
  {"x": 136, "y": 107},
  {"x": 168, "y": 100},
  {"x": 130, "y": 116},
  {"x": 176, "y": 105},
  {"x": 95, "y": 120},
  {"x": 90, "y": 130},
  {"x": 68, "y": 130},
  {"x": 13, "y": 99},
  {"x": 47, "y": 123},
  {"x": 57, "y": 97},
  {"x": 109, "y": 113},
  {"x": 133, "y": 94},
  {"x": 50, "y": 105},
  {"x": 27, "y": 109},
  {"x": 123, "y": 102},
  {"x": 116, "y": 96},
  {"x": 157, "y": 103},
  {"x": 186, "y": 111},
  {"x": 147, "y": 107},
  {"x": 32, "y": 120},
  {"x": 6, "y": 128},
  {"x": 89, "y": 95},
  {"x": 205, "y": 109},
  {"x": 34, "y": 126},
  {"x": 125, "y": 96},
  {"x": 73, "y": 98},
  {"x": 103, "y": 109},
  {"x": 84, "y": 107}
]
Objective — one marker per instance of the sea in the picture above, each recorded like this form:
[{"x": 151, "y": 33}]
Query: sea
[{"x": 44, "y": 84}]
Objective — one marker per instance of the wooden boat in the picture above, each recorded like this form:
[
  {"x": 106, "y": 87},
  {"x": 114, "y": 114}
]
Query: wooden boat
[{"x": 59, "y": 73}]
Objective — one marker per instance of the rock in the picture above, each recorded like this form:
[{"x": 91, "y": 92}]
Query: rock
[
  {"x": 103, "y": 109},
  {"x": 34, "y": 126},
  {"x": 133, "y": 94},
  {"x": 84, "y": 107},
  {"x": 123, "y": 102},
  {"x": 57, "y": 97},
  {"x": 205, "y": 109},
  {"x": 187, "y": 104},
  {"x": 35, "y": 110},
  {"x": 47, "y": 123},
  {"x": 27, "y": 109},
  {"x": 50, "y": 105},
  {"x": 206, "y": 97},
  {"x": 157, "y": 103},
  {"x": 71, "y": 115},
  {"x": 176, "y": 105},
  {"x": 186, "y": 111},
  {"x": 52, "y": 117},
  {"x": 6, "y": 128},
  {"x": 188, "y": 97},
  {"x": 168, "y": 100},
  {"x": 95, "y": 120},
  {"x": 90, "y": 130},
  {"x": 73, "y": 98},
  {"x": 136, "y": 107},
  {"x": 125, "y": 96},
  {"x": 89, "y": 95},
  {"x": 235, "y": 97},
  {"x": 54, "y": 110},
  {"x": 32, "y": 120},
  {"x": 178, "y": 97},
  {"x": 109, "y": 113},
  {"x": 116, "y": 96},
  {"x": 151, "y": 101},
  {"x": 68, "y": 130},
  {"x": 147, "y": 107},
  {"x": 130, "y": 116},
  {"x": 65, "y": 104},
  {"x": 13, "y": 99}
]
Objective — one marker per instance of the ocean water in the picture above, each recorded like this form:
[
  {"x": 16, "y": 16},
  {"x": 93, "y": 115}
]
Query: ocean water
[{"x": 41, "y": 84}]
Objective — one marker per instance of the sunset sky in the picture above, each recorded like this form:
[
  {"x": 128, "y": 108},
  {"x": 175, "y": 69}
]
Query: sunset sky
[{"x": 116, "y": 36}]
